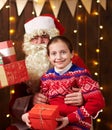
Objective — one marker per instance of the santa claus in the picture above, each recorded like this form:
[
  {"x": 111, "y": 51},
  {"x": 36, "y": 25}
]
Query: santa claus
[{"x": 38, "y": 32}]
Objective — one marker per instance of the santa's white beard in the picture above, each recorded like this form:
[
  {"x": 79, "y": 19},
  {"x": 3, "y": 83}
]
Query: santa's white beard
[{"x": 37, "y": 63}]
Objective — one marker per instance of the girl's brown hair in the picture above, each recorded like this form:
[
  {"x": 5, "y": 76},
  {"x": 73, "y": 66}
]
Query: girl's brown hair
[{"x": 62, "y": 38}]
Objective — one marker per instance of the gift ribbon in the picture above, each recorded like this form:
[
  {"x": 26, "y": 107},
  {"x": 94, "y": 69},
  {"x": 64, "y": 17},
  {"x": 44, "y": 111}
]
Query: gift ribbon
[{"x": 41, "y": 119}]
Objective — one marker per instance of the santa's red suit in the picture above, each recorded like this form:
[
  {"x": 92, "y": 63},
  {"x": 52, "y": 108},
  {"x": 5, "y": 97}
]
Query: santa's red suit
[{"x": 35, "y": 54}]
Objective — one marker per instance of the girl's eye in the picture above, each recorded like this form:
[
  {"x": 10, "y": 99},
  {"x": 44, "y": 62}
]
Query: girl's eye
[
  {"x": 63, "y": 52},
  {"x": 53, "y": 53}
]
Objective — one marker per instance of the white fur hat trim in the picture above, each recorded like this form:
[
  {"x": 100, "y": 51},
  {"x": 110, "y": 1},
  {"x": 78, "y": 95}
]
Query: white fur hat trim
[{"x": 39, "y": 23}]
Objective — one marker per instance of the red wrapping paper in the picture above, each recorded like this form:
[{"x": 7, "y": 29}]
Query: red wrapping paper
[
  {"x": 13, "y": 73},
  {"x": 43, "y": 117},
  {"x": 9, "y": 59}
]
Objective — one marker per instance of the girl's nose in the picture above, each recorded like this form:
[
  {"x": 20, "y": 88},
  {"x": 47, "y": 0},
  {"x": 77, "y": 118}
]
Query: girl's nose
[{"x": 58, "y": 56}]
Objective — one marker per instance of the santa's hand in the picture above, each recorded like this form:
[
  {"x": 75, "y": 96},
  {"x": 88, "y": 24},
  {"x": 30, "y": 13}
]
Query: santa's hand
[
  {"x": 64, "y": 123},
  {"x": 25, "y": 118},
  {"x": 39, "y": 98},
  {"x": 74, "y": 98}
]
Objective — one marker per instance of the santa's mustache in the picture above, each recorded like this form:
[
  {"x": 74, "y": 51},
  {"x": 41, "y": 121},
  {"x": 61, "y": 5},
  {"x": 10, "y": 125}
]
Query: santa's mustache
[{"x": 30, "y": 48}]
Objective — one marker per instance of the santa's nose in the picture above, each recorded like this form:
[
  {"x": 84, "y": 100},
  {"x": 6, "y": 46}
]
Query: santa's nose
[{"x": 39, "y": 40}]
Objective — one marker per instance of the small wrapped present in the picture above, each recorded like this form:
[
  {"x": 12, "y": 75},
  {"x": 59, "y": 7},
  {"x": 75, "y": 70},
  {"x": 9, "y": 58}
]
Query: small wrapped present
[
  {"x": 7, "y": 51},
  {"x": 13, "y": 73},
  {"x": 43, "y": 117}
]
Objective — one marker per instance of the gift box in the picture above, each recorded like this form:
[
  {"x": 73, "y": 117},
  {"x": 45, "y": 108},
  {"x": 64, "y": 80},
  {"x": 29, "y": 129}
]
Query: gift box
[
  {"x": 43, "y": 117},
  {"x": 7, "y": 51},
  {"x": 13, "y": 73}
]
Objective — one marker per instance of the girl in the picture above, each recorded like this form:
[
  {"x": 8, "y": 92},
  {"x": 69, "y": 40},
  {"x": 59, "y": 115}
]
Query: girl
[{"x": 57, "y": 82}]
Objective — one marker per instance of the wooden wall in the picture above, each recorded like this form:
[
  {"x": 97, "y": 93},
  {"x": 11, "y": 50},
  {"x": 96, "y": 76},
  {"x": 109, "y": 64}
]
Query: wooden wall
[{"x": 88, "y": 33}]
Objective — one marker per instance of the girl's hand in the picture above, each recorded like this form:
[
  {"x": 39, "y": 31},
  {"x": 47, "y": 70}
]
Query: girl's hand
[
  {"x": 74, "y": 98},
  {"x": 25, "y": 118},
  {"x": 64, "y": 123},
  {"x": 39, "y": 98}
]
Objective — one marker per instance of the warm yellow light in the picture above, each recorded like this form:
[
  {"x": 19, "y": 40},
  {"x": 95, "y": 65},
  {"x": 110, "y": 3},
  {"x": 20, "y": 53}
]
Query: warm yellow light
[
  {"x": 12, "y": 18},
  {"x": 75, "y": 31},
  {"x": 98, "y": 120},
  {"x": 97, "y": 50},
  {"x": 98, "y": 1},
  {"x": 101, "y": 38},
  {"x": 95, "y": 13},
  {"x": 7, "y": 6},
  {"x": 101, "y": 88},
  {"x": 95, "y": 62},
  {"x": 80, "y": 6},
  {"x": 33, "y": 12},
  {"x": 101, "y": 110},
  {"x": 96, "y": 73},
  {"x": 8, "y": 115},
  {"x": 12, "y": 91},
  {"x": 101, "y": 27},
  {"x": 79, "y": 18},
  {"x": 13, "y": 43},
  {"x": 11, "y": 31},
  {"x": 80, "y": 44}
]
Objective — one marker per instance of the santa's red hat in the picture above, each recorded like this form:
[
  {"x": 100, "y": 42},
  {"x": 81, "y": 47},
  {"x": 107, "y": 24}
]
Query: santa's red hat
[
  {"x": 46, "y": 23},
  {"x": 58, "y": 25}
]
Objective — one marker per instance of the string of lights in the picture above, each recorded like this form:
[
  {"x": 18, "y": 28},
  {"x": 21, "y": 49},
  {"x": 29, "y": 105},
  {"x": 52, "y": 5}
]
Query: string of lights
[{"x": 95, "y": 62}]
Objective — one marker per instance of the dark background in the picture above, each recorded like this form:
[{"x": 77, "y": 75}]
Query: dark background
[{"x": 88, "y": 34}]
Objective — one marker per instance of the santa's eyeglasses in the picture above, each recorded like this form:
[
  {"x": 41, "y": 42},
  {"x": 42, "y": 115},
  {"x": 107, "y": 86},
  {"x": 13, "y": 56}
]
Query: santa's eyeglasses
[
  {"x": 40, "y": 39},
  {"x": 40, "y": 36}
]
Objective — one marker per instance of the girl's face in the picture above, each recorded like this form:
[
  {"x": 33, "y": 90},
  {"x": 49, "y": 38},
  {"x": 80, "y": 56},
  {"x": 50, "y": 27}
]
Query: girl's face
[{"x": 59, "y": 54}]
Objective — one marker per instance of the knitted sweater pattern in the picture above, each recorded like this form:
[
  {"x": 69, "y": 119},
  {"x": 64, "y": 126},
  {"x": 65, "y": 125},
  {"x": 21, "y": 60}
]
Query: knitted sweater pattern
[{"x": 55, "y": 85}]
